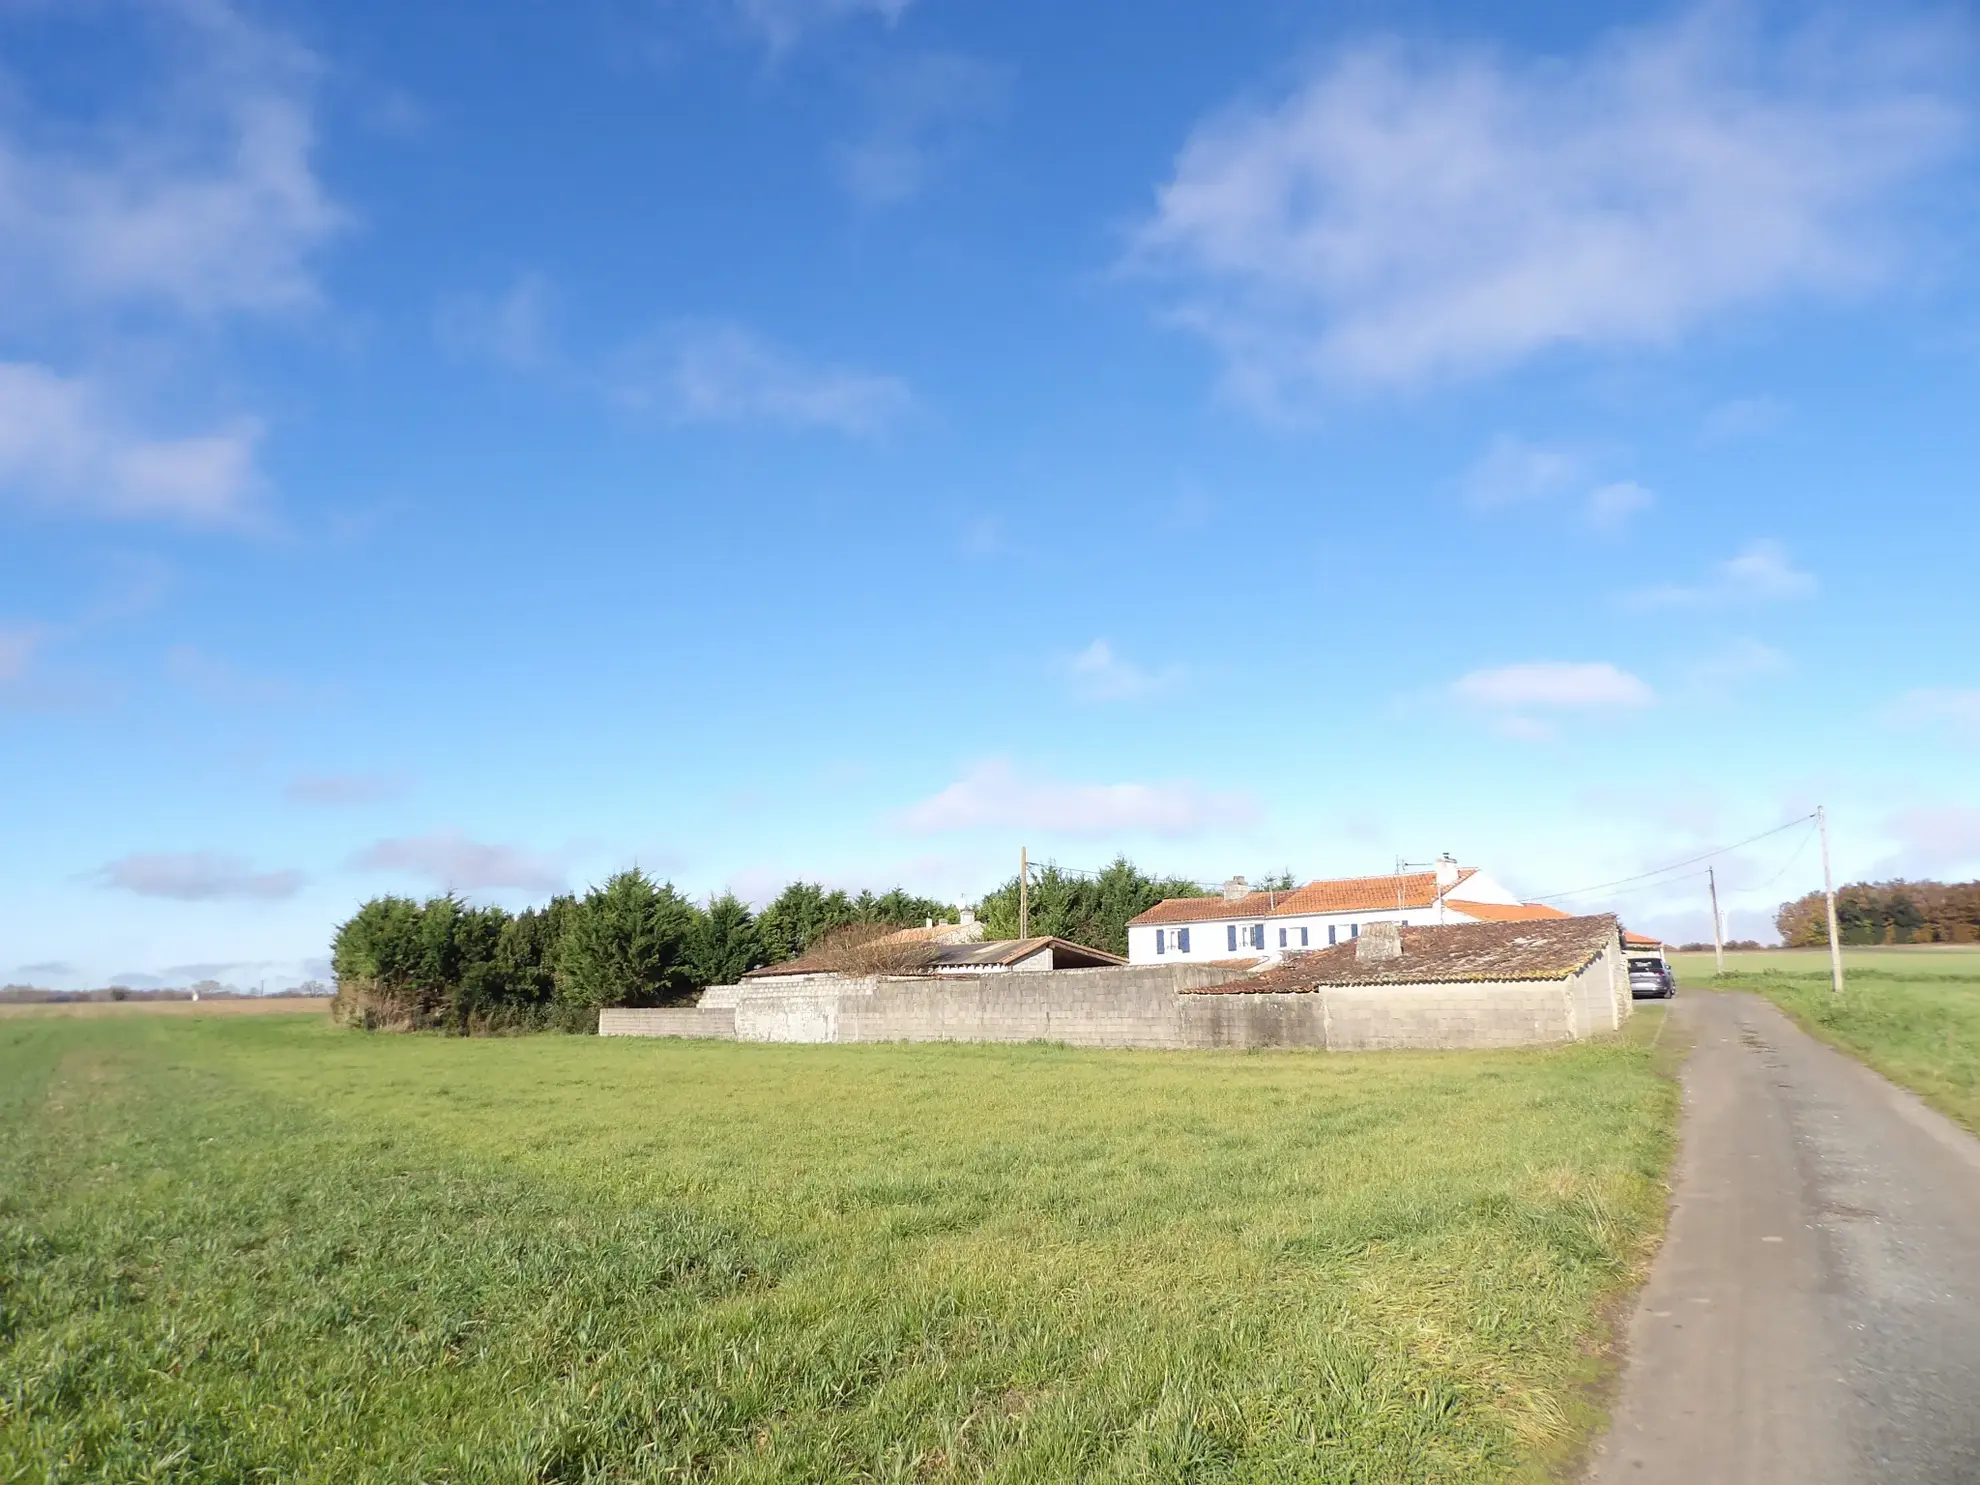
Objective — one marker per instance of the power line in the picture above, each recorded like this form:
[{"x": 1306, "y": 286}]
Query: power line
[
  {"x": 1674, "y": 866},
  {"x": 1796, "y": 856}
]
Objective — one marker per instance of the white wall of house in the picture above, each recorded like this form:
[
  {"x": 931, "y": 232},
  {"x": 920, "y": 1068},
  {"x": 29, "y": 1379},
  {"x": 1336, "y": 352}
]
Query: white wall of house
[
  {"x": 1213, "y": 938},
  {"x": 1255, "y": 936}
]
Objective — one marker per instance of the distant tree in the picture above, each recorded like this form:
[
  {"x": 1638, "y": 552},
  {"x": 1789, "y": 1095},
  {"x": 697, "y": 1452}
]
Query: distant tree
[
  {"x": 798, "y": 915},
  {"x": 628, "y": 943},
  {"x": 1275, "y": 881},
  {"x": 1085, "y": 910},
  {"x": 726, "y": 944},
  {"x": 526, "y": 954},
  {"x": 377, "y": 949},
  {"x": 1886, "y": 912},
  {"x": 900, "y": 909}
]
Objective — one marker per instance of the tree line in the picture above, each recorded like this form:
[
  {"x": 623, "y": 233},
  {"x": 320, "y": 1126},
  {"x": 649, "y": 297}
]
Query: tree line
[
  {"x": 1886, "y": 913},
  {"x": 445, "y": 964}
]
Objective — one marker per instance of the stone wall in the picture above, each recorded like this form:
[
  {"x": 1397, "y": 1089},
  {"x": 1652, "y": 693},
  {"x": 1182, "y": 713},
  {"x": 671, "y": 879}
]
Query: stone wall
[
  {"x": 696, "y": 1021},
  {"x": 1116, "y": 1007},
  {"x": 1148, "y": 1006}
]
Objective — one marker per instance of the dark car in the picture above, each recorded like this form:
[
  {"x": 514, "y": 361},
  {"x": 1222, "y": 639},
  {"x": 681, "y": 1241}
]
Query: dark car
[{"x": 1651, "y": 979}]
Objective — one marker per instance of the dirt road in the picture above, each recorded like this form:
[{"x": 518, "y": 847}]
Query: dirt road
[{"x": 1814, "y": 1316}]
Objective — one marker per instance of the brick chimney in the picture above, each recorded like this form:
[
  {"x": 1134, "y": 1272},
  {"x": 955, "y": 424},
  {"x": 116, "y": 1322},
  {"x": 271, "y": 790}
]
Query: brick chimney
[
  {"x": 1235, "y": 888},
  {"x": 1378, "y": 941}
]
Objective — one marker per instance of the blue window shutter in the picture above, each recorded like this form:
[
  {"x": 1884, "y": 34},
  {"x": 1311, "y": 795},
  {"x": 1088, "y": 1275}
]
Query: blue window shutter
[
  {"x": 1330, "y": 934},
  {"x": 1158, "y": 942},
  {"x": 1232, "y": 934},
  {"x": 1303, "y": 940},
  {"x": 1354, "y": 930},
  {"x": 1282, "y": 938},
  {"x": 1182, "y": 940}
]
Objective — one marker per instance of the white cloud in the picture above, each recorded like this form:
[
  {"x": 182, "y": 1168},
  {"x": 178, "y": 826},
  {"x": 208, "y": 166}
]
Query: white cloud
[
  {"x": 63, "y": 444},
  {"x": 1613, "y": 504},
  {"x": 201, "y": 197},
  {"x": 17, "y": 649},
  {"x": 724, "y": 374},
  {"x": 1513, "y": 471},
  {"x": 1098, "y": 673},
  {"x": 450, "y": 860},
  {"x": 198, "y": 876},
  {"x": 1941, "y": 706},
  {"x": 1744, "y": 417},
  {"x": 1731, "y": 665},
  {"x": 1413, "y": 212},
  {"x": 1944, "y": 839},
  {"x": 994, "y": 796},
  {"x": 514, "y": 329},
  {"x": 343, "y": 788},
  {"x": 784, "y": 23},
  {"x": 1554, "y": 685},
  {"x": 921, "y": 111},
  {"x": 1760, "y": 572}
]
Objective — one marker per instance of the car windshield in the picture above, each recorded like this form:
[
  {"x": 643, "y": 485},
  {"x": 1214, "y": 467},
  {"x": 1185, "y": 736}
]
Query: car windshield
[{"x": 1645, "y": 966}]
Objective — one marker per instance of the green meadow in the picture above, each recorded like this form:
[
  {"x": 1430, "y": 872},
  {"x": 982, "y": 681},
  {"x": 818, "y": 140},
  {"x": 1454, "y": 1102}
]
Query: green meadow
[
  {"x": 1911, "y": 1012},
  {"x": 238, "y": 1248}
]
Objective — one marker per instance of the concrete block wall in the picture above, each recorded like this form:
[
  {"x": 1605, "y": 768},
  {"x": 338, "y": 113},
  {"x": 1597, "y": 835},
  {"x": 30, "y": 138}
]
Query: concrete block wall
[
  {"x": 1592, "y": 996},
  {"x": 692, "y": 1021},
  {"x": 1145, "y": 1006}
]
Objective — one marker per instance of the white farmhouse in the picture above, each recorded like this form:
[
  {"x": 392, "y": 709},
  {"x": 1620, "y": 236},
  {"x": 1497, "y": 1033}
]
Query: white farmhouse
[{"x": 1248, "y": 925}]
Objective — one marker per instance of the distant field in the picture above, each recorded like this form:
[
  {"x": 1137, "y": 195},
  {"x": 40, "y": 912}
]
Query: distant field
[
  {"x": 256, "y": 1007},
  {"x": 261, "y": 1247},
  {"x": 1955, "y": 961},
  {"x": 1913, "y": 1013}
]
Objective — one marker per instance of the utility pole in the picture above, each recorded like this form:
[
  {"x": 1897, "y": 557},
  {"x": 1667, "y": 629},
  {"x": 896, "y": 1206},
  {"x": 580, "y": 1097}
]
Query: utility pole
[
  {"x": 1829, "y": 892},
  {"x": 1718, "y": 933},
  {"x": 1024, "y": 892}
]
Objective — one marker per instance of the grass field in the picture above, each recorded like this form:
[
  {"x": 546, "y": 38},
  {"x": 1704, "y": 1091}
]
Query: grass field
[
  {"x": 1912, "y": 1013},
  {"x": 1920, "y": 961},
  {"x": 259, "y": 1247},
  {"x": 259, "y": 1006}
]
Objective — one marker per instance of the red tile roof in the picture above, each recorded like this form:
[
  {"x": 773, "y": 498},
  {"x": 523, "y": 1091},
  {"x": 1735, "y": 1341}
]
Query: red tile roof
[
  {"x": 1546, "y": 949},
  {"x": 1346, "y": 895},
  {"x": 1504, "y": 912}
]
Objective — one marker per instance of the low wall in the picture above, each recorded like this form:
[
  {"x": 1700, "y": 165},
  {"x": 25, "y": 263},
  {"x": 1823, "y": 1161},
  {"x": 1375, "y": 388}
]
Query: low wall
[
  {"x": 1128, "y": 1006},
  {"x": 695, "y": 1021},
  {"x": 1148, "y": 1006}
]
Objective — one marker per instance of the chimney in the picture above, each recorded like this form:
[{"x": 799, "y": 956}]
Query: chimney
[
  {"x": 968, "y": 916},
  {"x": 1447, "y": 873},
  {"x": 1378, "y": 941},
  {"x": 1235, "y": 888}
]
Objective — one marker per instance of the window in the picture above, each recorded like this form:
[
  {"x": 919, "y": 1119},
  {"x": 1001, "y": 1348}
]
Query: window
[
  {"x": 1159, "y": 943},
  {"x": 1302, "y": 938},
  {"x": 1354, "y": 930},
  {"x": 1282, "y": 938},
  {"x": 1258, "y": 935},
  {"x": 1331, "y": 931},
  {"x": 1231, "y": 931},
  {"x": 1182, "y": 940}
]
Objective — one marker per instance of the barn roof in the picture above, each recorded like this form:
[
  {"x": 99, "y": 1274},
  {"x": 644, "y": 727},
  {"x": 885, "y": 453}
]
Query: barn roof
[{"x": 1545, "y": 949}]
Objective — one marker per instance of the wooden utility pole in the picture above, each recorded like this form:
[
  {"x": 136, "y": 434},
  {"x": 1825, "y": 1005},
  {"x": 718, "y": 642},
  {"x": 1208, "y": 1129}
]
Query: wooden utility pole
[
  {"x": 1718, "y": 933},
  {"x": 1024, "y": 892},
  {"x": 1829, "y": 892}
]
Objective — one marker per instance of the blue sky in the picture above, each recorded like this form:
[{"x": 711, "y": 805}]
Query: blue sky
[{"x": 484, "y": 446}]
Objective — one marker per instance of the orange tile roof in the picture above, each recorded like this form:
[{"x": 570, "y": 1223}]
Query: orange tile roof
[
  {"x": 1641, "y": 941},
  {"x": 1550, "y": 949},
  {"x": 1504, "y": 912},
  {"x": 1417, "y": 889}
]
